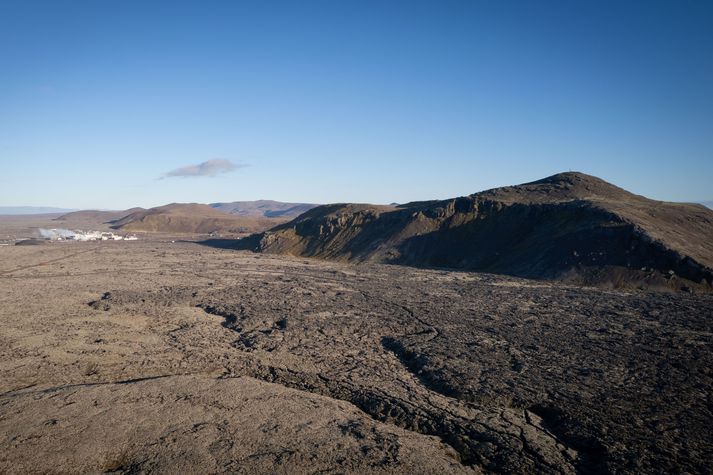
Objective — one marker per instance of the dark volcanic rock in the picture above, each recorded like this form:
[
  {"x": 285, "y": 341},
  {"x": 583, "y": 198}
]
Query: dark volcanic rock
[
  {"x": 30, "y": 242},
  {"x": 191, "y": 360},
  {"x": 569, "y": 226}
]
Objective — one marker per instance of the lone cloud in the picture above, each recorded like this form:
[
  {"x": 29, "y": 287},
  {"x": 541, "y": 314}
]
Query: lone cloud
[{"x": 210, "y": 168}]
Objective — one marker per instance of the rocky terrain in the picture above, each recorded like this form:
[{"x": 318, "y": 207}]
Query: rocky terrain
[
  {"x": 570, "y": 226},
  {"x": 170, "y": 356},
  {"x": 164, "y": 357}
]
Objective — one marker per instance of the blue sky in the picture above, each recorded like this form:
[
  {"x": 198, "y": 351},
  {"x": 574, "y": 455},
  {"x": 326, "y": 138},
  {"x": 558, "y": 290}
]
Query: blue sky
[{"x": 350, "y": 100}]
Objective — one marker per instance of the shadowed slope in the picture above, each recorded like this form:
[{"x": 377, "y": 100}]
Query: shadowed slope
[{"x": 571, "y": 225}]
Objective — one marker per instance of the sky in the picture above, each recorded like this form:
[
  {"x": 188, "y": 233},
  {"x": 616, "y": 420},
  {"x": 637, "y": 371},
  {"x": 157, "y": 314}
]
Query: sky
[{"x": 114, "y": 104}]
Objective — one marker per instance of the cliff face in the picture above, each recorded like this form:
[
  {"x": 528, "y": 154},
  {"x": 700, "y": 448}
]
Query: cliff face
[{"x": 568, "y": 226}]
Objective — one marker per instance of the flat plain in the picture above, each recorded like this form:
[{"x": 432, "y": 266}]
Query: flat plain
[{"x": 177, "y": 357}]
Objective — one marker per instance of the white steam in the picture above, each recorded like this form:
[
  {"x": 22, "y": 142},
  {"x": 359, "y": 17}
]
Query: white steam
[
  {"x": 56, "y": 234},
  {"x": 69, "y": 235}
]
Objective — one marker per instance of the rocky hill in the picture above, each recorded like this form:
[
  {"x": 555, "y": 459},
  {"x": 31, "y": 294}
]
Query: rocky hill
[
  {"x": 569, "y": 226},
  {"x": 190, "y": 218}
]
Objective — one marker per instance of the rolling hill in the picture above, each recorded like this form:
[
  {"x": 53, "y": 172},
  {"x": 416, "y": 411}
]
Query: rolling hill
[
  {"x": 193, "y": 218},
  {"x": 98, "y": 216},
  {"x": 190, "y": 218},
  {"x": 568, "y": 226}
]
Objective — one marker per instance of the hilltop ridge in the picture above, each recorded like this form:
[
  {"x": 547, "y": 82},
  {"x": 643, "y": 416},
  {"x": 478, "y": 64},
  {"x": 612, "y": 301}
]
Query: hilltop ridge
[{"x": 568, "y": 226}]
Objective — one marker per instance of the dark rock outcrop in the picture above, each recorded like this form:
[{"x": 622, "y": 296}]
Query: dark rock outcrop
[{"x": 568, "y": 226}]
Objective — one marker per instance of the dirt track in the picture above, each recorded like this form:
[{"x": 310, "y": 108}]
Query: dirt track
[{"x": 167, "y": 357}]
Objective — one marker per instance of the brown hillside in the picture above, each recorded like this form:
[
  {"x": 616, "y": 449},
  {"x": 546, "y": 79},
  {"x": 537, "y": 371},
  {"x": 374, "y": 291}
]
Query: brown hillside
[
  {"x": 570, "y": 226},
  {"x": 190, "y": 218}
]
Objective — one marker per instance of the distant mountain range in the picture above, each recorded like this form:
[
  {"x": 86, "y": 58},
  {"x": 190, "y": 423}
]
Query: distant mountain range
[
  {"x": 18, "y": 210},
  {"x": 255, "y": 209},
  {"x": 191, "y": 218},
  {"x": 264, "y": 208},
  {"x": 194, "y": 218},
  {"x": 568, "y": 226}
]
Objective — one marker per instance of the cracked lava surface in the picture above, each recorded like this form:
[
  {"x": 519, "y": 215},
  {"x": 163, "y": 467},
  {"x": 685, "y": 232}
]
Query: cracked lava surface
[{"x": 177, "y": 358}]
